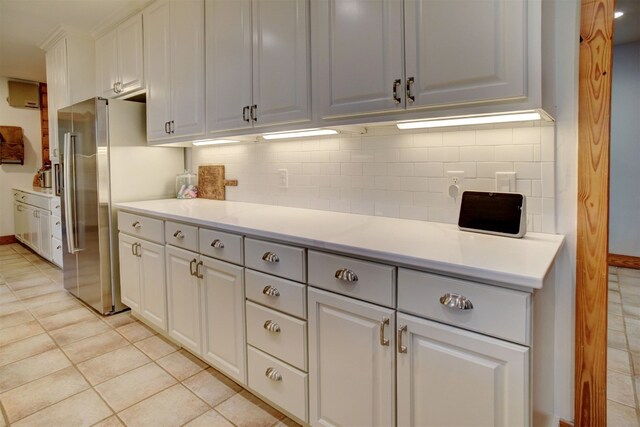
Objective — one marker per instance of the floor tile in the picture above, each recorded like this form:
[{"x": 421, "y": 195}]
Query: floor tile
[
  {"x": 110, "y": 422},
  {"x": 632, "y": 287},
  {"x": 181, "y": 364},
  {"x": 631, "y": 311},
  {"x": 615, "y": 309},
  {"x": 112, "y": 364},
  {"x": 210, "y": 419},
  {"x": 156, "y": 347},
  {"x": 15, "y": 318},
  {"x": 13, "y": 265},
  {"x": 246, "y": 410},
  {"x": 135, "y": 331},
  {"x": 613, "y": 277},
  {"x": 212, "y": 387},
  {"x": 83, "y": 409},
  {"x": 47, "y": 299},
  {"x": 39, "y": 290},
  {"x": 620, "y": 388},
  {"x": 67, "y": 318},
  {"x": 616, "y": 339},
  {"x": 287, "y": 422},
  {"x": 614, "y": 296},
  {"x": 36, "y": 395},
  {"x": 621, "y": 415},
  {"x": 79, "y": 331},
  {"x": 54, "y": 308},
  {"x": 174, "y": 406},
  {"x": 615, "y": 322},
  {"x": 9, "y": 255},
  {"x": 25, "y": 348},
  {"x": 11, "y": 307},
  {"x": 132, "y": 387},
  {"x": 32, "y": 368},
  {"x": 628, "y": 272},
  {"x": 40, "y": 280},
  {"x": 618, "y": 360},
  {"x": 27, "y": 272},
  {"x": 119, "y": 319},
  {"x": 20, "y": 332},
  {"x": 91, "y": 347},
  {"x": 8, "y": 297}
]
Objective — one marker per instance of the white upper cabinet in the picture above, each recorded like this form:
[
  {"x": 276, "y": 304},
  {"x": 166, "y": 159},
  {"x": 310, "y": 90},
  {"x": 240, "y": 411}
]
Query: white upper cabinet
[
  {"x": 119, "y": 60},
  {"x": 174, "y": 70},
  {"x": 257, "y": 63}
]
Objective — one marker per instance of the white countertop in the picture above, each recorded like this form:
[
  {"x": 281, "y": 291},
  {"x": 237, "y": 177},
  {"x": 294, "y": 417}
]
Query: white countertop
[
  {"x": 424, "y": 245},
  {"x": 46, "y": 192}
]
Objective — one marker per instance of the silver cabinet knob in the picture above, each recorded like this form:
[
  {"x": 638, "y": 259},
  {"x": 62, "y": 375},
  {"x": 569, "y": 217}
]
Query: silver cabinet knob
[
  {"x": 270, "y": 291},
  {"x": 346, "y": 275},
  {"x": 273, "y": 375},
  {"x": 59, "y": 247},
  {"x": 270, "y": 257},
  {"x": 271, "y": 326},
  {"x": 218, "y": 244},
  {"x": 137, "y": 225},
  {"x": 57, "y": 222},
  {"x": 456, "y": 301},
  {"x": 178, "y": 235}
]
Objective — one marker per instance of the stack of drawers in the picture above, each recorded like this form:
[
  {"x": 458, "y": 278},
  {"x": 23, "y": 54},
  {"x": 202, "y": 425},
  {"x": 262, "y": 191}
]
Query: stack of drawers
[
  {"x": 56, "y": 231},
  {"x": 276, "y": 318}
]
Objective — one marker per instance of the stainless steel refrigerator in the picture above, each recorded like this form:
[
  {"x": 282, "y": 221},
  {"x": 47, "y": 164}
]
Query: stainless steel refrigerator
[{"x": 104, "y": 160}]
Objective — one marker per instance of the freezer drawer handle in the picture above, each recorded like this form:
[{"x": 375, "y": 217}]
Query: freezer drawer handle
[
  {"x": 273, "y": 375},
  {"x": 218, "y": 244},
  {"x": 401, "y": 348},
  {"x": 270, "y": 257},
  {"x": 346, "y": 275},
  {"x": 271, "y": 326},
  {"x": 178, "y": 235},
  {"x": 137, "y": 225},
  {"x": 456, "y": 301},
  {"x": 270, "y": 291}
]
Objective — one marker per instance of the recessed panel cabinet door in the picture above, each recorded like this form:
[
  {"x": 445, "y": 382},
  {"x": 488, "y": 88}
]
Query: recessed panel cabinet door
[
  {"x": 129, "y": 272},
  {"x": 130, "y": 56},
  {"x": 465, "y": 51},
  {"x": 351, "y": 371},
  {"x": 358, "y": 56},
  {"x": 224, "y": 344},
  {"x": 107, "y": 64},
  {"x": 152, "y": 284},
  {"x": 451, "y": 377},
  {"x": 280, "y": 61}
]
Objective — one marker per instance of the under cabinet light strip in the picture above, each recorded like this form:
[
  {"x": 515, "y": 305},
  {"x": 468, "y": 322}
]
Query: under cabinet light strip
[
  {"x": 300, "y": 134},
  {"x": 213, "y": 141},
  {"x": 477, "y": 120}
]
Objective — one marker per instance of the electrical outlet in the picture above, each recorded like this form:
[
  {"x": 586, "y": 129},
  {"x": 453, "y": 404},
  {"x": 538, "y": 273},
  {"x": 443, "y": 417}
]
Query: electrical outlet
[
  {"x": 455, "y": 183},
  {"x": 506, "y": 181},
  {"x": 283, "y": 178}
]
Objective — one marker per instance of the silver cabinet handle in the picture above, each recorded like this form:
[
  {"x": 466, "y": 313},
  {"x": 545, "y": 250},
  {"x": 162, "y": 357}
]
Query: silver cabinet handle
[
  {"x": 346, "y": 275},
  {"x": 59, "y": 247},
  {"x": 383, "y": 341},
  {"x": 270, "y": 291},
  {"x": 410, "y": 97},
  {"x": 271, "y": 326},
  {"x": 57, "y": 206},
  {"x": 245, "y": 114},
  {"x": 273, "y": 375},
  {"x": 139, "y": 245},
  {"x": 166, "y": 127},
  {"x": 133, "y": 249},
  {"x": 254, "y": 113},
  {"x": 457, "y": 301},
  {"x": 172, "y": 127},
  {"x": 19, "y": 207},
  {"x": 57, "y": 222},
  {"x": 191, "y": 264},
  {"x": 401, "y": 348},
  {"x": 270, "y": 257},
  {"x": 178, "y": 234},
  {"x": 198, "y": 274},
  {"x": 23, "y": 197},
  {"x": 115, "y": 87},
  {"x": 137, "y": 225},
  {"x": 396, "y": 84},
  {"x": 218, "y": 244}
]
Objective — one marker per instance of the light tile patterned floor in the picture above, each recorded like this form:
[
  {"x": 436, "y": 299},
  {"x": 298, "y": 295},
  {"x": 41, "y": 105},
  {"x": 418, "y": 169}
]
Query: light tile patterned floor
[
  {"x": 61, "y": 364},
  {"x": 623, "y": 353}
]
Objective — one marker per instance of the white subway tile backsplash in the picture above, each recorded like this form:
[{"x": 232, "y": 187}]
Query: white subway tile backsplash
[{"x": 392, "y": 173}]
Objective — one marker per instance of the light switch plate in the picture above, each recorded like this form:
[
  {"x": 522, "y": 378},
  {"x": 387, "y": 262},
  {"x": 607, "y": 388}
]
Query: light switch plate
[{"x": 506, "y": 182}]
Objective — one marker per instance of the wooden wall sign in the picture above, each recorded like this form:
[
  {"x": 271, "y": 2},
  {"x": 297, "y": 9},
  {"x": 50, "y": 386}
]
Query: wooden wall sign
[{"x": 11, "y": 145}]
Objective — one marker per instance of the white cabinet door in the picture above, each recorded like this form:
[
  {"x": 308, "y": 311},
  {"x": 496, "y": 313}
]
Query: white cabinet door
[
  {"x": 157, "y": 68},
  {"x": 107, "y": 64},
  {"x": 183, "y": 297},
  {"x": 129, "y": 272},
  {"x": 57, "y": 92},
  {"x": 351, "y": 372},
  {"x": 31, "y": 233},
  {"x": 152, "y": 284},
  {"x": 130, "y": 55},
  {"x": 19, "y": 220},
  {"x": 465, "y": 51},
  {"x": 44, "y": 233},
  {"x": 187, "y": 67},
  {"x": 229, "y": 70},
  {"x": 451, "y": 377},
  {"x": 358, "y": 56},
  {"x": 224, "y": 342},
  {"x": 281, "y": 61}
]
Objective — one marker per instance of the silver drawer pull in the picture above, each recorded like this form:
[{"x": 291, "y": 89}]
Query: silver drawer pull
[
  {"x": 178, "y": 235},
  {"x": 217, "y": 244},
  {"x": 271, "y": 326},
  {"x": 346, "y": 275},
  {"x": 59, "y": 247},
  {"x": 401, "y": 348},
  {"x": 383, "y": 341},
  {"x": 57, "y": 222},
  {"x": 273, "y": 375},
  {"x": 270, "y": 257},
  {"x": 137, "y": 225},
  {"x": 270, "y": 291},
  {"x": 456, "y": 301}
]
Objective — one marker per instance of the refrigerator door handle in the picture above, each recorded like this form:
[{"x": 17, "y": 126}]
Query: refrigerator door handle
[{"x": 69, "y": 203}]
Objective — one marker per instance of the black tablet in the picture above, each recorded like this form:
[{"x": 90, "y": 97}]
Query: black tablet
[{"x": 503, "y": 214}]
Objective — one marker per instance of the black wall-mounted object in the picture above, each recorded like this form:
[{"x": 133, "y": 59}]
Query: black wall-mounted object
[{"x": 503, "y": 214}]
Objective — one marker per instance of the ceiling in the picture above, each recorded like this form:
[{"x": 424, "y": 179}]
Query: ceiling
[
  {"x": 627, "y": 27},
  {"x": 25, "y": 24}
]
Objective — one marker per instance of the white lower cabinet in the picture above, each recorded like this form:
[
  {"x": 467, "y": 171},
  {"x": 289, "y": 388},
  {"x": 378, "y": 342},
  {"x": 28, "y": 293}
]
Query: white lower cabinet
[
  {"x": 142, "y": 279},
  {"x": 351, "y": 362},
  {"x": 451, "y": 377}
]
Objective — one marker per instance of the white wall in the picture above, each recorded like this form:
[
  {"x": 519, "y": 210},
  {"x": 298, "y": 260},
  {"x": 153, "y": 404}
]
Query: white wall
[
  {"x": 18, "y": 175},
  {"x": 624, "y": 201}
]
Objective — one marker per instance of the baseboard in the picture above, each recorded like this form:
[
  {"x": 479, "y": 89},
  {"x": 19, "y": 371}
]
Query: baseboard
[
  {"x": 6, "y": 240},
  {"x": 565, "y": 423},
  {"x": 625, "y": 261}
]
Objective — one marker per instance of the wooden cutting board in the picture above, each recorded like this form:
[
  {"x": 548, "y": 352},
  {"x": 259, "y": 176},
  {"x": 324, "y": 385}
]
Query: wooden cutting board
[{"x": 211, "y": 182}]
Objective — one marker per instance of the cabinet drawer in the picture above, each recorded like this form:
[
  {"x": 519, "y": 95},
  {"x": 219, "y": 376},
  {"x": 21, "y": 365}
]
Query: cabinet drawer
[
  {"x": 19, "y": 196},
  {"x": 56, "y": 227},
  {"x": 278, "y": 382},
  {"x": 280, "y": 294},
  {"x": 371, "y": 281},
  {"x": 282, "y": 336},
  {"x": 181, "y": 235},
  {"x": 276, "y": 259},
  {"x": 224, "y": 246},
  {"x": 141, "y": 226},
  {"x": 55, "y": 206},
  {"x": 35, "y": 200},
  {"x": 499, "y": 312},
  {"x": 56, "y": 252}
]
